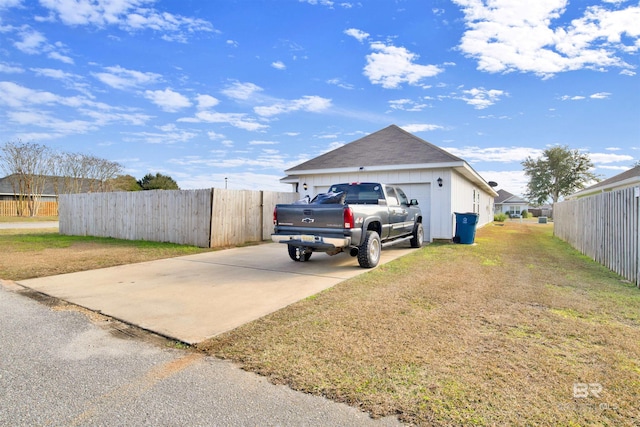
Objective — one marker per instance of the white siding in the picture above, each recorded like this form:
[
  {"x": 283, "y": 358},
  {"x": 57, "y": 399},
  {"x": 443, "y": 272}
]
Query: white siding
[
  {"x": 435, "y": 201},
  {"x": 468, "y": 197}
]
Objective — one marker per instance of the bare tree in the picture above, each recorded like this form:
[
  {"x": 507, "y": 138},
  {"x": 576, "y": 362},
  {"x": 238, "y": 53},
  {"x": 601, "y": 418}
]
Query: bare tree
[
  {"x": 83, "y": 172},
  {"x": 27, "y": 165}
]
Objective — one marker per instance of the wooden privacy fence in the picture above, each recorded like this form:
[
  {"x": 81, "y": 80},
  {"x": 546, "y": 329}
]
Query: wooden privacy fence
[
  {"x": 10, "y": 208},
  {"x": 204, "y": 218},
  {"x": 604, "y": 227}
]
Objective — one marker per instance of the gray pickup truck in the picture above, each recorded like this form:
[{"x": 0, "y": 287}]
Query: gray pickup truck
[{"x": 358, "y": 218}]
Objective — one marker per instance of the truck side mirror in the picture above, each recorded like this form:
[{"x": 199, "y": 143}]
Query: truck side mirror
[{"x": 413, "y": 202}]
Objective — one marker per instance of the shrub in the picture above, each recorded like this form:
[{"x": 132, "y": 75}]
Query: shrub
[
  {"x": 500, "y": 217},
  {"x": 525, "y": 214}
]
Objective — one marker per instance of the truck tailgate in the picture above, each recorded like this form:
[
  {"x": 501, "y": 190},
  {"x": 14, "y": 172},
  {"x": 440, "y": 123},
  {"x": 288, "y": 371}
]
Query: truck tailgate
[{"x": 310, "y": 217}]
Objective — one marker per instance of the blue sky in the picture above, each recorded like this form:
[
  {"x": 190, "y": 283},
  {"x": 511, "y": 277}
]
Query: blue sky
[{"x": 208, "y": 90}]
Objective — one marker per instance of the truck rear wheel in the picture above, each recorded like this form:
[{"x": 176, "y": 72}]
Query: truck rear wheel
[
  {"x": 369, "y": 252},
  {"x": 298, "y": 254},
  {"x": 418, "y": 236}
]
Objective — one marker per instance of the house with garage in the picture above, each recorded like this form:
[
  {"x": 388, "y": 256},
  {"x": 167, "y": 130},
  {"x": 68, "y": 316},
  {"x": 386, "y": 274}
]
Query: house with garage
[
  {"x": 509, "y": 204},
  {"x": 443, "y": 183}
]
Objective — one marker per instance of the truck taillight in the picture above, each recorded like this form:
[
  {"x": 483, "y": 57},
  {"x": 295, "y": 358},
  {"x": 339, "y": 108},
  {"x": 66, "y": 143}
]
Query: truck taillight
[
  {"x": 348, "y": 218},
  {"x": 275, "y": 216}
]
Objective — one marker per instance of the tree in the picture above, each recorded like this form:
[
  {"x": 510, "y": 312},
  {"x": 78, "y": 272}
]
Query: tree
[
  {"x": 557, "y": 173},
  {"x": 124, "y": 183},
  {"x": 158, "y": 182},
  {"x": 27, "y": 165},
  {"x": 83, "y": 172}
]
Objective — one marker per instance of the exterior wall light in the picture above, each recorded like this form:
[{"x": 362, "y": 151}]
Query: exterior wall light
[
  {"x": 304, "y": 186},
  {"x": 439, "y": 182}
]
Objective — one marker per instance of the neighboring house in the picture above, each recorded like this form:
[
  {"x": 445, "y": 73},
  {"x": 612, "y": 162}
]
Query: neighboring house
[
  {"x": 442, "y": 183},
  {"x": 509, "y": 204},
  {"x": 630, "y": 178},
  {"x": 53, "y": 186},
  {"x": 7, "y": 191}
]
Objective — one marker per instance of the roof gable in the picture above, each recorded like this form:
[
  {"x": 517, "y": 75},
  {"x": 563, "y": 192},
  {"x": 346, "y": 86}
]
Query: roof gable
[
  {"x": 387, "y": 147},
  {"x": 505, "y": 197},
  {"x": 502, "y": 196}
]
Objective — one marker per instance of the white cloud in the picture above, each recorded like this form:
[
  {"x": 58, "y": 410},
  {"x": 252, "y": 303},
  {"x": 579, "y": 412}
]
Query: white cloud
[
  {"x": 263, "y": 142},
  {"x": 599, "y": 95},
  {"x": 392, "y": 66},
  {"x": 494, "y": 154},
  {"x": 6, "y": 4},
  {"x": 338, "y": 82},
  {"x": 481, "y": 98},
  {"x": 69, "y": 80},
  {"x": 214, "y": 136},
  {"x": 515, "y": 182},
  {"x": 45, "y": 120},
  {"x": 506, "y": 36},
  {"x": 17, "y": 96},
  {"x": 168, "y": 100},
  {"x": 239, "y": 120},
  {"x": 206, "y": 101},
  {"x": 241, "y": 91},
  {"x": 407, "y": 105},
  {"x": 234, "y": 180},
  {"x": 327, "y": 3},
  {"x": 609, "y": 158},
  {"x": 129, "y": 15},
  {"x": 420, "y": 127},
  {"x": 169, "y": 135},
  {"x": 10, "y": 69},
  {"x": 32, "y": 43},
  {"x": 357, "y": 34},
  {"x": 121, "y": 78},
  {"x": 279, "y": 65},
  {"x": 313, "y": 104},
  {"x": 60, "y": 57}
]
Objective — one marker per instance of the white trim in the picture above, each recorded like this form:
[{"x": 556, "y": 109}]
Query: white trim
[{"x": 375, "y": 168}]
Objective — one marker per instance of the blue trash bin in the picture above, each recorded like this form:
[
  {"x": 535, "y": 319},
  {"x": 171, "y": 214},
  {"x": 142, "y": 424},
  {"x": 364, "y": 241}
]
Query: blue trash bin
[{"x": 465, "y": 228}]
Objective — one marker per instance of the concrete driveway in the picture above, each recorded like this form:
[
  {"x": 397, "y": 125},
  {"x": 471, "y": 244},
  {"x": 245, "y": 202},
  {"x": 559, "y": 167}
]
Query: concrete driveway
[{"x": 196, "y": 297}]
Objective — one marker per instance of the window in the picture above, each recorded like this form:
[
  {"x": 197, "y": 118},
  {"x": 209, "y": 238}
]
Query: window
[
  {"x": 476, "y": 201},
  {"x": 392, "y": 199},
  {"x": 403, "y": 197}
]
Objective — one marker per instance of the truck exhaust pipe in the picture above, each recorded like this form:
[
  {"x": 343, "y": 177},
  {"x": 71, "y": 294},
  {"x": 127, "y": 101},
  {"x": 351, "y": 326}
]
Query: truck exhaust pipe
[{"x": 353, "y": 252}]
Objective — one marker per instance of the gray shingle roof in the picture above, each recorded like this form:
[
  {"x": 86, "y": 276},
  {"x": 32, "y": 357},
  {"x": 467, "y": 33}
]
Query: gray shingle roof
[
  {"x": 631, "y": 173},
  {"x": 502, "y": 196},
  {"x": 53, "y": 185},
  {"x": 387, "y": 147}
]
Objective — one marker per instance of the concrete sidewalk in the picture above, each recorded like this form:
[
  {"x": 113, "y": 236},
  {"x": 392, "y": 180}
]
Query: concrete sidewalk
[{"x": 196, "y": 297}]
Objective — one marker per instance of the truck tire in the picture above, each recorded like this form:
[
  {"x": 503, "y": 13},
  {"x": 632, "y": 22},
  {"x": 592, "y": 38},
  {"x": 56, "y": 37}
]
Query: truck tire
[
  {"x": 295, "y": 255},
  {"x": 418, "y": 236},
  {"x": 369, "y": 252}
]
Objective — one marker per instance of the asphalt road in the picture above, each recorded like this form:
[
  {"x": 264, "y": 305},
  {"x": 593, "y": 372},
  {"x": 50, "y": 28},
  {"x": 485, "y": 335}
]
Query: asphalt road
[{"x": 59, "y": 368}]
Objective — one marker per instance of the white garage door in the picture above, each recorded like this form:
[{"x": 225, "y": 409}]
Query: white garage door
[{"x": 422, "y": 192}]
